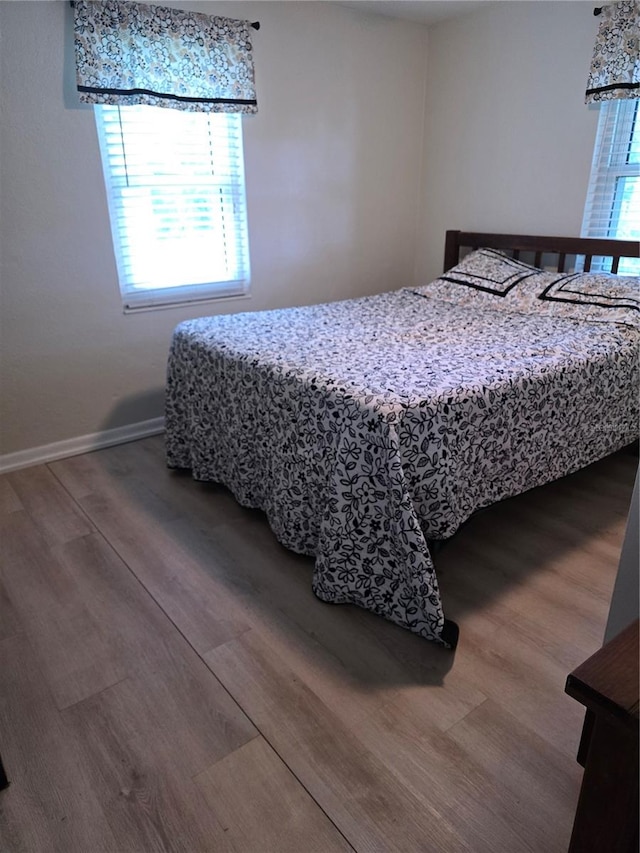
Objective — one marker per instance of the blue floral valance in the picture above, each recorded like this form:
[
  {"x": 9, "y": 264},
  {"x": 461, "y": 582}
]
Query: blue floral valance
[
  {"x": 615, "y": 68},
  {"x": 135, "y": 53}
]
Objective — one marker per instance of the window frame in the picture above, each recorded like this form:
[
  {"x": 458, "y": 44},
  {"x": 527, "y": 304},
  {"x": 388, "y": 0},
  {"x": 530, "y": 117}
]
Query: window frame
[
  {"x": 618, "y": 129},
  {"x": 137, "y": 297}
]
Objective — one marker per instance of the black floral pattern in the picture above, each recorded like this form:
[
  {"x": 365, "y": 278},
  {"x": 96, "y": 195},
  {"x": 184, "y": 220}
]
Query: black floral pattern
[
  {"x": 615, "y": 66},
  {"x": 365, "y": 428},
  {"x": 137, "y": 53}
]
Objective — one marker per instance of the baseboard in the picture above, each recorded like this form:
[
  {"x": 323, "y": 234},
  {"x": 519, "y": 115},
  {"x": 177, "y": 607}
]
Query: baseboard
[{"x": 81, "y": 444}]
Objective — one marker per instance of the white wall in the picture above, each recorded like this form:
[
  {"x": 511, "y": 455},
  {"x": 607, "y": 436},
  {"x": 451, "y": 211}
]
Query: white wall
[
  {"x": 508, "y": 138},
  {"x": 625, "y": 601},
  {"x": 331, "y": 164}
]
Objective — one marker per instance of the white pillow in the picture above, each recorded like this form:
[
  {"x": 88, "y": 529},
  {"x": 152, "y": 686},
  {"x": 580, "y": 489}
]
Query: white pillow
[{"x": 487, "y": 278}]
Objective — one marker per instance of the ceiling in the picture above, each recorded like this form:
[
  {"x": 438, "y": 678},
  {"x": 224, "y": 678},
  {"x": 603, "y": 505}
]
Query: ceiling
[{"x": 422, "y": 11}]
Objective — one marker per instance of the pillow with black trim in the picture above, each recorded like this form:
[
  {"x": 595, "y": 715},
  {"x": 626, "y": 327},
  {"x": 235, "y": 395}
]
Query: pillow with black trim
[
  {"x": 483, "y": 276},
  {"x": 489, "y": 279},
  {"x": 597, "y": 296}
]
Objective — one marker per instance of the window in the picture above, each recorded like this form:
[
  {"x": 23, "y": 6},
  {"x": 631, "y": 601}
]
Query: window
[
  {"x": 613, "y": 199},
  {"x": 175, "y": 187}
]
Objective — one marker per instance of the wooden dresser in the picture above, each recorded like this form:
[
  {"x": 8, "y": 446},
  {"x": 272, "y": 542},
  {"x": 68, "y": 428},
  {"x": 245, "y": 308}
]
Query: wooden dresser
[{"x": 607, "y": 685}]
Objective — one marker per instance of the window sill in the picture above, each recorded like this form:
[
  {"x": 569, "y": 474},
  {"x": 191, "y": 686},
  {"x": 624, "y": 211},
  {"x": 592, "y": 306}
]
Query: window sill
[{"x": 181, "y": 303}]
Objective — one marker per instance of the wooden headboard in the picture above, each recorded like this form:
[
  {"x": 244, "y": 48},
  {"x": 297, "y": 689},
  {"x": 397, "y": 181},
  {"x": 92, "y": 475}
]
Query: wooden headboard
[{"x": 535, "y": 248}]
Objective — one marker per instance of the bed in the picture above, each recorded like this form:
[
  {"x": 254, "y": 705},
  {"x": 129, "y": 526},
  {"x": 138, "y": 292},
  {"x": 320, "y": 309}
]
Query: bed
[{"x": 369, "y": 430}]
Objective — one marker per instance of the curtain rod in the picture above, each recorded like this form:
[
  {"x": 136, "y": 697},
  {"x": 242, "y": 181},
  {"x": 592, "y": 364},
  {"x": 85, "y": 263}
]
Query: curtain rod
[
  {"x": 255, "y": 24},
  {"x": 597, "y": 10}
]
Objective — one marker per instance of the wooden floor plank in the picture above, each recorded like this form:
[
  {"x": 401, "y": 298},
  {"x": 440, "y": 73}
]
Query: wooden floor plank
[
  {"x": 92, "y": 625},
  {"x": 135, "y": 769},
  {"x": 10, "y": 623},
  {"x": 546, "y": 570},
  {"x": 57, "y": 517},
  {"x": 75, "y": 652},
  {"x": 550, "y": 609},
  {"x": 163, "y": 563},
  {"x": 50, "y": 804},
  {"x": 9, "y": 500},
  {"x": 200, "y": 721},
  {"x": 488, "y": 769},
  {"x": 532, "y": 557},
  {"x": 139, "y": 525},
  {"x": 261, "y": 806},
  {"x": 524, "y": 681},
  {"x": 360, "y": 793},
  {"x": 538, "y": 786},
  {"x": 139, "y": 471}
]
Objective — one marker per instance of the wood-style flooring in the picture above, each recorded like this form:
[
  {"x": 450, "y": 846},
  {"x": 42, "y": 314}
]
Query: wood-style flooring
[{"x": 168, "y": 681}]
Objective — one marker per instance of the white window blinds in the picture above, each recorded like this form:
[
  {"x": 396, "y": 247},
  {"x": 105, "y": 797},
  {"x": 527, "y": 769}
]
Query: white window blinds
[
  {"x": 613, "y": 200},
  {"x": 175, "y": 187}
]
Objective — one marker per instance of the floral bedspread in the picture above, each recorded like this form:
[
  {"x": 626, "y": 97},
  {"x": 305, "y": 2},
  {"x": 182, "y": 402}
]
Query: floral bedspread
[{"x": 367, "y": 427}]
